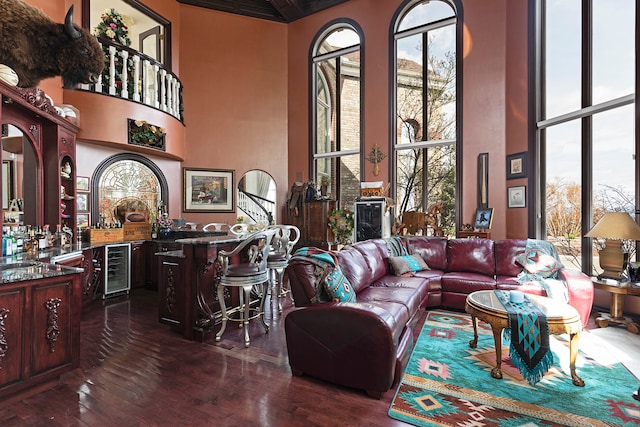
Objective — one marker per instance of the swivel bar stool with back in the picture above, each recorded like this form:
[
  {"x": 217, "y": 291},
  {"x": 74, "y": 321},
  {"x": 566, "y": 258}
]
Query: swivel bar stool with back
[
  {"x": 249, "y": 272},
  {"x": 281, "y": 247}
]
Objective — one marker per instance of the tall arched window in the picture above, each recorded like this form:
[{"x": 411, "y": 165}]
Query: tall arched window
[
  {"x": 337, "y": 110},
  {"x": 425, "y": 108},
  {"x": 587, "y": 121}
]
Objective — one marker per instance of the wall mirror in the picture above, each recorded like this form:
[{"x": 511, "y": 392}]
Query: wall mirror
[
  {"x": 18, "y": 157},
  {"x": 257, "y": 197}
]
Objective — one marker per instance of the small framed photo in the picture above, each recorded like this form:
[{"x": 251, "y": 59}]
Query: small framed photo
[
  {"x": 483, "y": 218},
  {"x": 82, "y": 202},
  {"x": 83, "y": 220},
  {"x": 517, "y": 165},
  {"x": 82, "y": 183},
  {"x": 208, "y": 190},
  {"x": 517, "y": 197}
]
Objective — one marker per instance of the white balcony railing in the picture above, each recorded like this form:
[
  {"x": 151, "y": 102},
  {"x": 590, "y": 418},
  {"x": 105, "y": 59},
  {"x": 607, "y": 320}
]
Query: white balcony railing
[{"x": 132, "y": 75}]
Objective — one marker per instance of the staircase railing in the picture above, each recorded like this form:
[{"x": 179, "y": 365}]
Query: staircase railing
[
  {"x": 256, "y": 208},
  {"x": 132, "y": 75}
]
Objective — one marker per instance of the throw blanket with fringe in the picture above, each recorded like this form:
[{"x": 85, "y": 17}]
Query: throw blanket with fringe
[
  {"x": 554, "y": 288},
  {"x": 397, "y": 246},
  {"x": 529, "y": 348},
  {"x": 327, "y": 273}
]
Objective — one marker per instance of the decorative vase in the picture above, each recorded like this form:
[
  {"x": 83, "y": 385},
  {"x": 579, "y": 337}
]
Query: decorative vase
[{"x": 164, "y": 233}]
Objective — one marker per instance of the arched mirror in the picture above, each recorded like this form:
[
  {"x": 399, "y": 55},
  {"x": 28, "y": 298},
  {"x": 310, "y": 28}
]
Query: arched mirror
[
  {"x": 19, "y": 189},
  {"x": 257, "y": 197}
]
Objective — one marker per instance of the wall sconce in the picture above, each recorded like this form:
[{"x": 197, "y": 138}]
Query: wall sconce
[{"x": 614, "y": 227}]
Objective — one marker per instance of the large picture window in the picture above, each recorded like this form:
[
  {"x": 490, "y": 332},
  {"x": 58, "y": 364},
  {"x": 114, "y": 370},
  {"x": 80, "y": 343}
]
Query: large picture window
[
  {"x": 585, "y": 135},
  {"x": 425, "y": 117}
]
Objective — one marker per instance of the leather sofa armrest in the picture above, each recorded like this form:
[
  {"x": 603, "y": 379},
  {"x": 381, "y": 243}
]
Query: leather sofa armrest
[
  {"x": 580, "y": 289},
  {"x": 351, "y": 344}
]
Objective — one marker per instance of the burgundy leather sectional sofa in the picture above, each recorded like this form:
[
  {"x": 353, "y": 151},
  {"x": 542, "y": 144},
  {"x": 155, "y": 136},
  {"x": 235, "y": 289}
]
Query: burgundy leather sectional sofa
[{"x": 366, "y": 344}]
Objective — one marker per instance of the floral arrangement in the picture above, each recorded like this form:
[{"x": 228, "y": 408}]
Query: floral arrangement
[
  {"x": 143, "y": 133},
  {"x": 341, "y": 223},
  {"x": 112, "y": 27},
  {"x": 164, "y": 221}
]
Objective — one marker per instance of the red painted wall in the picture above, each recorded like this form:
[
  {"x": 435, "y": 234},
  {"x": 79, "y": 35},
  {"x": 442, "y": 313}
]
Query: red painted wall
[{"x": 234, "y": 71}]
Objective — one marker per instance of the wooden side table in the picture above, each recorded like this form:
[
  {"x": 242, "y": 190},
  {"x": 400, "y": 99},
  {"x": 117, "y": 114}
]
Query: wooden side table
[
  {"x": 618, "y": 290},
  {"x": 474, "y": 234}
]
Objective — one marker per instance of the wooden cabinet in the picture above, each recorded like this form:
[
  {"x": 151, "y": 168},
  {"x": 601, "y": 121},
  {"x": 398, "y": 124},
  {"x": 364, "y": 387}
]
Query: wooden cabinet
[
  {"x": 171, "y": 296},
  {"x": 151, "y": 248},
  {"x": 138, "y": 265},
  {"x": 40, "y": 324},
  {"x": 312, "y": 221}
]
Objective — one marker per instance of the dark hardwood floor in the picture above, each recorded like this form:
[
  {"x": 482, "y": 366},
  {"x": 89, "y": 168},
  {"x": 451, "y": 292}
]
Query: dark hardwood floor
[{"x": 134, "y": 371}]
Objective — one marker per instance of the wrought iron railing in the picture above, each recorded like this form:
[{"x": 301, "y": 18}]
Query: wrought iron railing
[
  {"x": 132, "y": 75},
  {"x": 256, "y": 208}
]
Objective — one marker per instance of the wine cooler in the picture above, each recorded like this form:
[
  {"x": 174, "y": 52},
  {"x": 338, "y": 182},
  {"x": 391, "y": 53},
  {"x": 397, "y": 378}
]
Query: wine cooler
[{"x": 117, "y": 269}]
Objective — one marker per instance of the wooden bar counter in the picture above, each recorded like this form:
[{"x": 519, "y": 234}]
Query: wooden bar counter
[{"x": 187, "y": 282}]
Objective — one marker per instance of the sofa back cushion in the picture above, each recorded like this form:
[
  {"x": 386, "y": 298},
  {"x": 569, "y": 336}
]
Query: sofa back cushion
[
  {"x": 432, "y": 249},
  {"x": 507, "y": 252},
  {"x": 376, "y": 254},
  {"x": 471, "y": 255},
  {"x": 355, "y": 268}
]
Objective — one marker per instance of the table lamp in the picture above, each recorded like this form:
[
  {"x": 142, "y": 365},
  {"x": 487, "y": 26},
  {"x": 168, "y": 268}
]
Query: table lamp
[{"x": 614, "y": 227}]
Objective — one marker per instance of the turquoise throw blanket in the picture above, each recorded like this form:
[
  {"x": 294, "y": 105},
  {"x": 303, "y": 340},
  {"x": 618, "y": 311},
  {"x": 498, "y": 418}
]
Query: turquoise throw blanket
[
  {"x": 397, "y": 246},
  {"x": 331, "y": 284},
  {"x": 529, "y": 349},
  {"x": 554, "y": 288}
]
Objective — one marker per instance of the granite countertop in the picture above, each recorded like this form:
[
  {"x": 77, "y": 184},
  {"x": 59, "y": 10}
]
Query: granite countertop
[
  {"x": 211, "y": 240},
  {"x": 20, "y": 271}
]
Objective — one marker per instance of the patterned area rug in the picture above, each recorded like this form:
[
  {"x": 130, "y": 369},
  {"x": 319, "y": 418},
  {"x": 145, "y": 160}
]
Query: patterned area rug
[{"x": 447, "y": 383}]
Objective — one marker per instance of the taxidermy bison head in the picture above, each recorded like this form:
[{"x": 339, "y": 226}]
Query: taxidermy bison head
[{"x": 36, "y": 47}]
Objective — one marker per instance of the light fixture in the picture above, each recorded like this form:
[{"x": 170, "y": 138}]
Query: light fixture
[{"x": 614, "y": 227}]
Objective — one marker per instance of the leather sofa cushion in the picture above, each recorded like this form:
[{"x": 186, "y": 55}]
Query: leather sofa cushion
[
  {"x": 376, "y": 254},
  {"x": 355, "y": 268},
  {"x": 432, "y": 249},
  {"x": 420, "y": 285},
  {"x": 467, "y": 282},
  {"x": 390, "y": 297},
  {"x": 507, "y": 251},
  {"x": 471, "y": 256}
]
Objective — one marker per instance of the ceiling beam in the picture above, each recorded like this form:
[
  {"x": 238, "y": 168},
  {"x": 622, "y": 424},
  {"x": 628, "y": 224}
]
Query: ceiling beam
[{"x": 289, "y": 9}]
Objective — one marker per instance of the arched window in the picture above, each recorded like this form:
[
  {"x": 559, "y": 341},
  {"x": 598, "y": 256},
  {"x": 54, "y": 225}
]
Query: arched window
[
  {"x": 425, "y": 108},
  {"x": 127, "y": 183},
  {"x": 586, "y": 135},
  {"x": 337, "y": 110}
]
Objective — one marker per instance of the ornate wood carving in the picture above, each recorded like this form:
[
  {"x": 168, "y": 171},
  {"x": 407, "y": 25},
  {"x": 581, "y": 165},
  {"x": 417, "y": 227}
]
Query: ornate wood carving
[
  {"x": 37, "y": 98},
  {"x": 170, "y": 299},
  {"x": 4, "y": 346},
  {"x": 35, "y": 131},
  {"x": 53, "y": 331}
]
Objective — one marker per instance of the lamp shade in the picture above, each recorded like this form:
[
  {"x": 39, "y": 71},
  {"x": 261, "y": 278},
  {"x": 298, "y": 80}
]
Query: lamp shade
[{"x": 616, "y": 225}]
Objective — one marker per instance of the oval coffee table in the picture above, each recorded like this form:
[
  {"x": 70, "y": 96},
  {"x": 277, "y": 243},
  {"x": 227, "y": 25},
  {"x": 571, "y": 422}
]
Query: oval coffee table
[{"x": 561, "y": 317}]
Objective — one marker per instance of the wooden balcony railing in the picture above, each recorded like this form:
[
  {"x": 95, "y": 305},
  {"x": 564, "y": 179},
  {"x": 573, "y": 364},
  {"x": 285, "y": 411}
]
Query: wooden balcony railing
[{"x": 132, "y": 75}]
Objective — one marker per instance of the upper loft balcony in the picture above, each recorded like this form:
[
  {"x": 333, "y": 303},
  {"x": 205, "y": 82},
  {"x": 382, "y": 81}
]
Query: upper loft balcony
[{"x": 132, "y": 86}]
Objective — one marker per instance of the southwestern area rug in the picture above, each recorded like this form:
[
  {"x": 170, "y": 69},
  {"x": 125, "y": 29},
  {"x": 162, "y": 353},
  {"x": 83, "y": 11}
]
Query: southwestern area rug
[{"x": 447, "y": 383}]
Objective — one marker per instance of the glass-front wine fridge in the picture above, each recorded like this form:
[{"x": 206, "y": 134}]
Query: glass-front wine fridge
[{"x": 117, "y": 269}]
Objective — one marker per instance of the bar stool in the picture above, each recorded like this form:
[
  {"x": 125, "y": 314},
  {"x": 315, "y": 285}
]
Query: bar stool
[
  {"x": 252, "y": 271},
  {"x": 282, "y": 245}
]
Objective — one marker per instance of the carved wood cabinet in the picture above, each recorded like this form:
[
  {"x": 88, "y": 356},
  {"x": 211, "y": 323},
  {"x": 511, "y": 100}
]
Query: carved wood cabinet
[
  {"x": 312, "y": 221},
  {"x": 39, "y": 332}
]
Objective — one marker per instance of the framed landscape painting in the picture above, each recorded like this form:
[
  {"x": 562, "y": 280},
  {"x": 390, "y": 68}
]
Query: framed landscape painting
[{"x": 208, "y": 190}]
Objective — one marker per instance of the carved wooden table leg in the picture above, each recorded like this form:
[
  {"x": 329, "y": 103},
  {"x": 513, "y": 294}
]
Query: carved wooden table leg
[
  {"x": 497, "y": 339},
  {"x": 474, "y": 342},
  {"x": 573, "y": 353}
]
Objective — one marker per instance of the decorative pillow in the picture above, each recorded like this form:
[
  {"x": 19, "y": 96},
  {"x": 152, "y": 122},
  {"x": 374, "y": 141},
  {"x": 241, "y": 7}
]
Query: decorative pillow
[
  {"x": 537, "y": 261},
  {"x": 339, "y": 287},
  {"x": 407, "y": 263}
]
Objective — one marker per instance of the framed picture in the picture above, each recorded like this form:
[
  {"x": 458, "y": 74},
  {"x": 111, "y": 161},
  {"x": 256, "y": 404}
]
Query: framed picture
[
  {"x": 83, "y": 220},
  {"x": 517, "y": 165},
  {"x": 7, "y": 183},
  {"x": 483, "y": 218},
  {"x": 483, "y": 180},
  {"x": 517, "y": 197},
  {"x": 82, "y": 183},
  {"x": 208, "y": 190},
  {"x": 82, "y": 202}
]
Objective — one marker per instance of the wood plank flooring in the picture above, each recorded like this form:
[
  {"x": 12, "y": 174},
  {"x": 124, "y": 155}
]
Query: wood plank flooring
[{"x": 135, "y": 371}]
